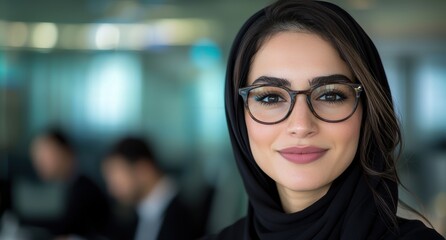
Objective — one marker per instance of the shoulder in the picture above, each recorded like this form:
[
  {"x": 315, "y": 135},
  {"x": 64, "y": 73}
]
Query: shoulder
[
  {"x": 177, "y": 222},
  {"x": 177, "y": 211},
  {"x": 82, "y": 181},
  {"x": 84, "y": 189},
  {"x": 234, "y": 231},
  {"x": 415, "y": 229}
]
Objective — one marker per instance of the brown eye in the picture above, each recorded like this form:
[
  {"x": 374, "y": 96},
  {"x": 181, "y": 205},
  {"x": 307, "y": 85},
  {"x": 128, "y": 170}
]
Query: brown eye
[
  {"x": 269, "y": 99},
  {"x": 332, "y": 97}
]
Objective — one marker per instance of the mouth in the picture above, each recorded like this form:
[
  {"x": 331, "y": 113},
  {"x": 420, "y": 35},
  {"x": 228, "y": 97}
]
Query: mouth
[{"x": 302, "y": 155}]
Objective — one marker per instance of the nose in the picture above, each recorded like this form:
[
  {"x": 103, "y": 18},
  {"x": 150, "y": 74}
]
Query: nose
[{"x": 301, "y": 122}]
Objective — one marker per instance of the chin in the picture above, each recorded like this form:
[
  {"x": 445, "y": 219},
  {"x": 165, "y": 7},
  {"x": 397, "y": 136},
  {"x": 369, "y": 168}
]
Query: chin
[
  {"x": 302, "y": 181},
  {"x": 305, "y": 186}
]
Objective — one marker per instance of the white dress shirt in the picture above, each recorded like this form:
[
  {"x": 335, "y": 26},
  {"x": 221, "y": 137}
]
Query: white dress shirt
[{"x": 151, "y": 209}]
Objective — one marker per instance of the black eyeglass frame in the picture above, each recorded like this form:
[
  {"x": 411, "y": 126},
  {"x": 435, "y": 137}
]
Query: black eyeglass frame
[{"x": 244, "y": 92}]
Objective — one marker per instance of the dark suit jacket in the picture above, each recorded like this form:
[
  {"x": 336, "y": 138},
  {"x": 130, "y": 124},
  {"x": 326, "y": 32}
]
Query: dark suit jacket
[
  {"x": 178, "y": 222},
  {"x": 87, "y": 210}
]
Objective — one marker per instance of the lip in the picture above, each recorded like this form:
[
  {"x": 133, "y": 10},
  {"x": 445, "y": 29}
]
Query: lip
[{"x": 302, "y": 155}]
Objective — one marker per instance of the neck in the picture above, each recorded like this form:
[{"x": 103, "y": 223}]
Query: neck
[
  {"x": 295, "y": 201},
  {"x": 65, "y": 172},
  {"x": 149, "y": 184}
]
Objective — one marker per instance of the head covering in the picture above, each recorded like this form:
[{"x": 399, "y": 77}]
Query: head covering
[{"x": 348, "y": 210}]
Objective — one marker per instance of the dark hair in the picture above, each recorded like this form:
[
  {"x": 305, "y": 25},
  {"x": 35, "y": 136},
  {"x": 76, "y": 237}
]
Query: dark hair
[
  {"x": 380, "y": 141},
  {"x": 133, "y": 149},
  {"x": 59, "y": 137}
]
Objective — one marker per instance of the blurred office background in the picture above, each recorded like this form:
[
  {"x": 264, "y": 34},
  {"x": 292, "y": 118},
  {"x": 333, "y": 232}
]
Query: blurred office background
[{"x": 103, "y": 69}]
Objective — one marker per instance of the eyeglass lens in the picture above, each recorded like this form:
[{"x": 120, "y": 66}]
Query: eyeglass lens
[{"x": 330, "y": 102}]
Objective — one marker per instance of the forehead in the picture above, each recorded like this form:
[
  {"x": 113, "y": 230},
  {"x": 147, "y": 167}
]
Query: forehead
[
  {"x": 45, "y": 143},
  {"x": 116, "y": 161},
  {"x": 298, "y": 57}
]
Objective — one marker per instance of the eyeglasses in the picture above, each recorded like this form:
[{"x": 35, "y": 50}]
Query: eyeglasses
[{"x": 329, "y": 102}]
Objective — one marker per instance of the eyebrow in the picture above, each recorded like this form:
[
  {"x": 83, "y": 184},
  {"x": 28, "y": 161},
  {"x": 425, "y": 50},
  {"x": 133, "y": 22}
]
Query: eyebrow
[
  {"x": 282, "y": 82},
  {"x": 335, "y": 78}
]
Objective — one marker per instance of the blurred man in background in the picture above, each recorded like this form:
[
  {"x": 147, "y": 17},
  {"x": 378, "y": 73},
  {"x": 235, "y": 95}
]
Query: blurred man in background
[
  {"x": 134, "y": 178},
  {"x": 85, "y": 213}
]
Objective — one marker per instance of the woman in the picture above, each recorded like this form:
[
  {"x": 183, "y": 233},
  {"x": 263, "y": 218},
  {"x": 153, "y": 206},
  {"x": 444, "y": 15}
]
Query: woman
[{"x": 313, "y": 129}]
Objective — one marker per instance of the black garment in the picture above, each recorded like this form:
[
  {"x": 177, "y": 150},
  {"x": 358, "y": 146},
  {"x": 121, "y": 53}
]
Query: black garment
[
  {"x": 87, "y": 210},
  {"x": 348, "y": 210},
  {"x": 5, "y": 196},
  {"x": 122, "y": 223},
  {"x": 178, "y": 223},
  {"x": 409, "y": 229}
]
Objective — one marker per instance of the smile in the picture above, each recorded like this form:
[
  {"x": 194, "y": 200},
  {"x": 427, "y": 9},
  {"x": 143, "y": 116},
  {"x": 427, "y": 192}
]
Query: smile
[{"x": 302, "y": 155}]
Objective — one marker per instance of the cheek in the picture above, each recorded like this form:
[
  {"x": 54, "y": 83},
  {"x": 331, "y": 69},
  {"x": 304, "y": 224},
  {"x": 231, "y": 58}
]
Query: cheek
[
  {"x": 46, "y": 161},
  {"x": 261, "y": 138},
  {"x": 119, "y": 183},
  {"x": 355, "y": 128},
  {"x": 345, "y": 137}
]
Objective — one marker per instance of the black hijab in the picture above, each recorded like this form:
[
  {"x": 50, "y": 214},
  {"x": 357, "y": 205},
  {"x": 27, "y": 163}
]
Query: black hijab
[{"x": 348, "y": 210}]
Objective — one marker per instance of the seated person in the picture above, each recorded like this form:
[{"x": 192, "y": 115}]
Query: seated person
[
  {"x": 134, "y": 178},
  {"x": 86, "y": 207}
]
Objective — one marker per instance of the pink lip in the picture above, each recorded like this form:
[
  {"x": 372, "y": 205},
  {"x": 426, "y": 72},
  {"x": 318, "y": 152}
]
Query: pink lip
[{"x": 302, "y": 155}]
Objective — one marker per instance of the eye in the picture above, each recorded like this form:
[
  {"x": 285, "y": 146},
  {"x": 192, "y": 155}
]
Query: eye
[
  {"x": 269, "y": 98},
  {"x": 332, "y": 97}
]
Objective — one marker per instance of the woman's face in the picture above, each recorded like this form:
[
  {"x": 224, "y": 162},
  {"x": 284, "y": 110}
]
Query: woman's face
[{"x": 299, "y": 58}]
